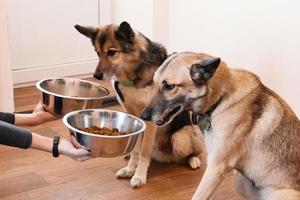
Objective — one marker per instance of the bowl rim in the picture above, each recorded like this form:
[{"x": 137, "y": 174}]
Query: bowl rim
[
  {"x": 66, "y": 123},
  {"x": 38, "y": 86}
]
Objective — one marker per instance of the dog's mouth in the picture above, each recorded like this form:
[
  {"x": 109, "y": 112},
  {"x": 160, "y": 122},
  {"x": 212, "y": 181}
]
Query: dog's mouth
[{"x": 169, "y": 116}]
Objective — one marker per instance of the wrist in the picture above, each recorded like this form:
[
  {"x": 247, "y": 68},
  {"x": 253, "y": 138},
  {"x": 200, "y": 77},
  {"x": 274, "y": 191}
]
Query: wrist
[
  {"x": 41, "y": 142},
  {"x": 61, "y": 147}
]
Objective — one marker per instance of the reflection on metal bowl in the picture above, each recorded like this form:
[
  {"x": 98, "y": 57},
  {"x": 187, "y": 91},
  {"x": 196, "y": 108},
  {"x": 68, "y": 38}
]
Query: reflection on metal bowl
[
  {"x": 63, "y": 95},
  {"x": 104, "y": 145}
]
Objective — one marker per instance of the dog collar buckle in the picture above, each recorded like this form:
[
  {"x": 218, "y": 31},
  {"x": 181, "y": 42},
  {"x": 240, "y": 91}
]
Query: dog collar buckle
[
  {"x": 206, "y": 124},
  {"x": 202, "y": 120},
  {"x": 196, "y": 118}
]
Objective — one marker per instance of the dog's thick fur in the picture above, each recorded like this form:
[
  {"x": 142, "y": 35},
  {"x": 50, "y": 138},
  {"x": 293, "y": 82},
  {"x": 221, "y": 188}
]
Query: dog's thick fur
[
  {"x": 128, "y": 57},
  {"x": 253, "y": 130}
]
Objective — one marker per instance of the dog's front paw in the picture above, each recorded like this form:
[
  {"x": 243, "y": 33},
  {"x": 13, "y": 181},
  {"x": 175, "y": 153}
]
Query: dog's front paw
[
  {"x": 125, "y": 172},
  {"x": 138, "y": 181},
  {"x": 194, "y": 162}
]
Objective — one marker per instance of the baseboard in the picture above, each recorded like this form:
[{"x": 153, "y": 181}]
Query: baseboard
[{"x": 27, "y": 77}]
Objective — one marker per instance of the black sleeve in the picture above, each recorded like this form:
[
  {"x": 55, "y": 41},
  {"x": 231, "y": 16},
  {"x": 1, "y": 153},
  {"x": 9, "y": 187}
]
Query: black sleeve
[
  {"x": 7, "y": 117},
  {"x": 14, "y": 136}
]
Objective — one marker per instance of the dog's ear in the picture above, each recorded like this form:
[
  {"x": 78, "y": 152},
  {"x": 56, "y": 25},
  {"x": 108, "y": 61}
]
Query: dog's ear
[
  {"x": 204, "y": 70},
  {"x": 88, "y": 31},
  {"x": 125, "y": 32}
]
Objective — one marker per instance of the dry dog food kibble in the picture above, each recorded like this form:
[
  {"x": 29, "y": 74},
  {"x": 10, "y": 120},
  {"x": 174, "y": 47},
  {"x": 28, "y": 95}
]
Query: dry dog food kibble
[{"x": 102, "y": 131}]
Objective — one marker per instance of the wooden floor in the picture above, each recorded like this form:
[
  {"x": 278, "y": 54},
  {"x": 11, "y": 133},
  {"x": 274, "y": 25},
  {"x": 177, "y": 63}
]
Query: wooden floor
[{"x": 30, "y": 174}]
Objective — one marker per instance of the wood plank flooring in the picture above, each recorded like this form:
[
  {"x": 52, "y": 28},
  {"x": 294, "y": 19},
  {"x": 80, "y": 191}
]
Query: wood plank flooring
[{"x": 34, "y": 175}]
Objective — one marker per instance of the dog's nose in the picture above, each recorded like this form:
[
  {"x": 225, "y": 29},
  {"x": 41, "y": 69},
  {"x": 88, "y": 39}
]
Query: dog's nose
[
  {"x": 146, "y": 115},
  {"x": 98, "y": 74}
]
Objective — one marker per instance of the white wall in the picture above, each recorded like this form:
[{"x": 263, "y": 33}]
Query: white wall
[
  {"x": 261, "y": 36},
  {"x": 44, "y": 42},
  {"x": 139, "y": 13}
]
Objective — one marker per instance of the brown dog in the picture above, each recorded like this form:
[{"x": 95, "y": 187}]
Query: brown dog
[
  {"x": 246, "y": 126},
  {"x": 131, "y": 59}
]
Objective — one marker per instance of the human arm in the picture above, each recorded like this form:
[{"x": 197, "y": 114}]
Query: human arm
[
  {"x": 37, "y": 117},
  {"x": 11, "y": 135},
  {"x": 71, "y": 149}
]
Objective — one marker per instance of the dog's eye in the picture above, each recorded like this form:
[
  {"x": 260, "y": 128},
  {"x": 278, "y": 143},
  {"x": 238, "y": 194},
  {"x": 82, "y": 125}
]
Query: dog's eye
[
  {"x": 168, "y": 87},
  {"x": 111, "y": 52}
]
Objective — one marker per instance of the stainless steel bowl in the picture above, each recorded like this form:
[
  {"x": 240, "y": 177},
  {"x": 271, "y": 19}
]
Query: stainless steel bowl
[
  {"x": 104, "y": 145},
  {"x": 63, "y": 95}
]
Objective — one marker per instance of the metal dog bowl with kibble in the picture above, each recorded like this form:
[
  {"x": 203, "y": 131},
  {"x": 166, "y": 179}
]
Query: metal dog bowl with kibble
[{"x": 105, "y": 145}]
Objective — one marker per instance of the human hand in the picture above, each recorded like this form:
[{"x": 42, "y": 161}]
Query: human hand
[
  {"x": 40, "y": 115},
  {"x": 73, "y": 149}
]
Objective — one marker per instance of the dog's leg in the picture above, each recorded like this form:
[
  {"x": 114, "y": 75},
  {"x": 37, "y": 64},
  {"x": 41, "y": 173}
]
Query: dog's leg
[
  {"x": 194, "y": 162},
  {"x": 140, "y": 175},
  {"x": 212, "y": 177},
  {"x": 198, "y": 149},
  {"x": 128, "y": 171},
  {"x": 185, "y": 143},
  {"x": 245, "y": 187}
]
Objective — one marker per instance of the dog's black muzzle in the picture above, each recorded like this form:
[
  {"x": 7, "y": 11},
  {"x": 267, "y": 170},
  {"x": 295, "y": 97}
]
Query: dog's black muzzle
[
  {"x": 98, "y": 74},
  {"x": 147, "y": 114}
]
